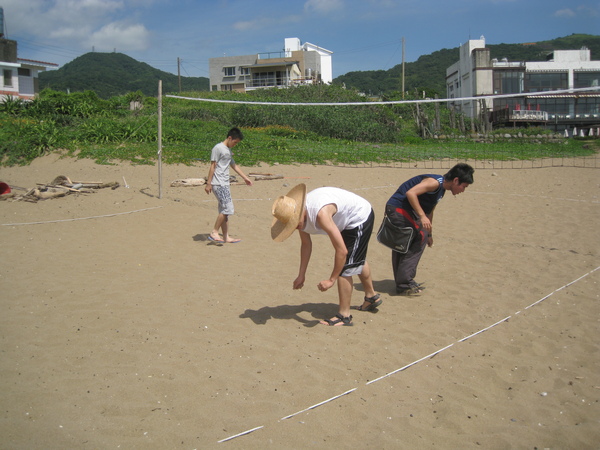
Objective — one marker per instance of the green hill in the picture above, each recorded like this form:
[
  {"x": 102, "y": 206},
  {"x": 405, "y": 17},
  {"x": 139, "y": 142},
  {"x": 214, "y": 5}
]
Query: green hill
[
  {"x": 112, "y": 74},
  {"x": 429, "y": 71}
]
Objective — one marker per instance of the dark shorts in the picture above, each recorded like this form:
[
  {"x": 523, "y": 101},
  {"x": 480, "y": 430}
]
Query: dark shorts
[{"x": 357, "y": 243}]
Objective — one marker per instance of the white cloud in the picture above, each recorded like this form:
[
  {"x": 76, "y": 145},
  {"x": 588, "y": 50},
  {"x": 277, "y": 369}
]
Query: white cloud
[
  {"x": 323, "y": 6},
  {"x": 121, "y": 36},
  {"x": 568, "y": 12},
  {"x": 104, "y": 24},
  {"x": 247, "y": 25},
  {"x": 265, "y": 23},
  {"x": 579, "y": 11}
]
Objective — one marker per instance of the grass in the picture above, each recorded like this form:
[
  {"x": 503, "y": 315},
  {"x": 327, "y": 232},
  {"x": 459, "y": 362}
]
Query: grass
[
  {"x": 260, "y": 147},
  {"x": 107, "y": 132}
]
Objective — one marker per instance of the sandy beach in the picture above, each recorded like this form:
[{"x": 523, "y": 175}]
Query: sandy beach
[{"x": 122, "y": 326}]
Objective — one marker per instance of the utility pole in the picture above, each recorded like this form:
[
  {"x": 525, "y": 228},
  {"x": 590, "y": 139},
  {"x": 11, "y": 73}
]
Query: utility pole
[
  {"x": 159, "y": 138},
  {"x": 402, "y": 67},
  {"x": 179, "y": 73}
]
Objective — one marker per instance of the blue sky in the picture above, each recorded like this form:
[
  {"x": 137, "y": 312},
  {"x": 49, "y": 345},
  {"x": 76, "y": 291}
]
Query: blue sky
[{"x": 362, "y": 34}]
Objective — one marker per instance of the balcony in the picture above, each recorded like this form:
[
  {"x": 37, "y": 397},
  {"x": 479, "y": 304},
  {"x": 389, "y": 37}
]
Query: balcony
[{"x": 528, "y": 116}]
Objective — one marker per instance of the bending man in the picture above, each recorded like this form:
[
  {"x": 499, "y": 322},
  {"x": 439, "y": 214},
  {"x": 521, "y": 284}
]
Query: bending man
[
  {"x": 412, "y": 205},
  {"x": 348, "y": 221}
]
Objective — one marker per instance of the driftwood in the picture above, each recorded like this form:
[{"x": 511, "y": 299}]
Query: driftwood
[
  {"x": 60, "y": 187},
  {"x": 62, "y": 180},
  {"x": 265, "y": 176},
  {"x": 186, "y": 182},
  {"x": 46, "y": 192}
]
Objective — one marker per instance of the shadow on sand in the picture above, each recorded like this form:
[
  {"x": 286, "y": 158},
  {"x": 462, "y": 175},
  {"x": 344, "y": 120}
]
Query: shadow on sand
[{"x": 317, "y": 310}]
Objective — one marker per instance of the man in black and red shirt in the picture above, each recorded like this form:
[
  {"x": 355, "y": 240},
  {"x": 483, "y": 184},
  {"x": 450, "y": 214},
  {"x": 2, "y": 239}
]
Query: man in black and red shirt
[{"x": 412, "y": 205}]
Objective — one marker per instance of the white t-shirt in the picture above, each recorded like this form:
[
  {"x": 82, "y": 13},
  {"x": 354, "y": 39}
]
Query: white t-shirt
[
  {"x": 352, "y": 210},
  {"x": 222, "y": 155}
]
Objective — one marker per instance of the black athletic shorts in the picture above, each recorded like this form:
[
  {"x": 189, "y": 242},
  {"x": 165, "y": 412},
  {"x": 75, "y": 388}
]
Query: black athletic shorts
[{"x": 357, "y": 243}]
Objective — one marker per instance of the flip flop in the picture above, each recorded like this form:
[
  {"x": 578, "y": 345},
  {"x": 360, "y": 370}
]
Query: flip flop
[
  {"x": 234, "y": 242},
  {"x": 218, "y": 241}
]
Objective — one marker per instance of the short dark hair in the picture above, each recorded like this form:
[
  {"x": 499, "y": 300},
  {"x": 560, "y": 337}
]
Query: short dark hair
[
  {"x": 235, "y": 133},
  {"x": 462, "y": 171}
]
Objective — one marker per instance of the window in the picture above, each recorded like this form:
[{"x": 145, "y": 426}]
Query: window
[
  {"x": 539, "y": 82},
  {"x": 245, "y": 70},
  {"x": 229, "y": 71},
  {"x": 8, "y": 78},
  {"x": 508, "y": 82},
  {"x": 587, "y": 79},
  {"x": 24, "y": 72},
  {"x": 587, "y": 105}
]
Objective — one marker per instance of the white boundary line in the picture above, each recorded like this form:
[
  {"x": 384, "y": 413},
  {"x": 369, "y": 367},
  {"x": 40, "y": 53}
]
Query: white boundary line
[
  {"x": 484, "y": 329},
  {"x": 318, "y": 404},
  {"x": 80, "y": 218},
  {"x": 240, "y": 434},
  {"x": 431, "y": 355}
]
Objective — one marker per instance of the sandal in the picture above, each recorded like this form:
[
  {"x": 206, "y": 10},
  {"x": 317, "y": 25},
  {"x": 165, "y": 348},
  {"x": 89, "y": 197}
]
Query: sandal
[
  {"x": 413, "y": 290},
  {"x": 374, "y": 303},
  {"x": 345, "y": 321}
]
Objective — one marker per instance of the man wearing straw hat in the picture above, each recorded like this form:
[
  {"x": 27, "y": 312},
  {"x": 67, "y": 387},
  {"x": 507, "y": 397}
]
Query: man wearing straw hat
[{"x": 348, "y": 221}]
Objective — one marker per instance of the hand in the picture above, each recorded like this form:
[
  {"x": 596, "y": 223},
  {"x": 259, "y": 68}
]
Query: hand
[
  {"x": 325, "y": 284},
  {"x": 208, "y": 188},
  {"x": 299, "y": 283},
  {"x": 248, "y": 181},
  {"x": 426, "y": 223},
  {"x": 430, "y": 241}
]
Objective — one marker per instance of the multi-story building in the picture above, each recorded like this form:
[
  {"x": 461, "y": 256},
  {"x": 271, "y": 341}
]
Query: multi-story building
[
  {"x": 477, "y": 75},
  {"x": 19, "y": 76},
  {"x": 297, "y": 64}
]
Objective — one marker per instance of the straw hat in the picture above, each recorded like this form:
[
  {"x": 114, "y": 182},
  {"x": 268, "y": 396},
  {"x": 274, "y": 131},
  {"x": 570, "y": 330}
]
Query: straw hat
[{"x": 287, "y": 210}]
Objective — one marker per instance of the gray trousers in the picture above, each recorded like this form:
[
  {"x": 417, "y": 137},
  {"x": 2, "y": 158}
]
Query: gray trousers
[{"x": 405, "y": 265}]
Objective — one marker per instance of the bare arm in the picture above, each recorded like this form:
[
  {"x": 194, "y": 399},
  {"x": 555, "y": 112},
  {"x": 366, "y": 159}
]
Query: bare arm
[
  {"x": 325, "y": 222},
  {"x": 430, "y": 236},
  {"x": 238, "y": 169},
  {"x": 427, "y": 185},
  {"x": 305, "y": 252},
  {"x": 211, "y": 172}
]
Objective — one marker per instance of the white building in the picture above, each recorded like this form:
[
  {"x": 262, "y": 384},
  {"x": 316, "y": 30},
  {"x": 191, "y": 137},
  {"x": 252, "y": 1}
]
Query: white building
[
  {"x": 477, "y": 75},
  {"x": 297, "y": 64},
  {"x": 19, "y": 76}
]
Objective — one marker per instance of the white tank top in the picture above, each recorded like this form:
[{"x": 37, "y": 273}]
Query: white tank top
[{"x": 352, "y": 210}]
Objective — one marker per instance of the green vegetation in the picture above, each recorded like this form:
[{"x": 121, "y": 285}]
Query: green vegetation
[
  {"x": 82, "y": 124},
  {"x": 114, "y": 74},
  {"x": 428, "y": 73}
]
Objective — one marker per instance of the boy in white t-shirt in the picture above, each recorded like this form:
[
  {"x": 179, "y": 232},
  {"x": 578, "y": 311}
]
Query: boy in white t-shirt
[{"x": 218, "y": 183}]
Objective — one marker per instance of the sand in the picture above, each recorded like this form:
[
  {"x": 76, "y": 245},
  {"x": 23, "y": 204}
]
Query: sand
[{"x": 123, "y": 327}]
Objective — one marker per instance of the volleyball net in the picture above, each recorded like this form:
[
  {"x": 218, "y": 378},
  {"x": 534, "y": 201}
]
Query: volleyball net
[{"x": 530, "y": 137}]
